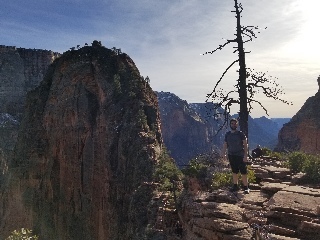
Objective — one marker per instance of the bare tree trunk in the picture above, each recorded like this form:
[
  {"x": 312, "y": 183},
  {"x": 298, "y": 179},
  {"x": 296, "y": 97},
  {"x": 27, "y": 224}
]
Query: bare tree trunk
[{"x": 243, "y": 114}]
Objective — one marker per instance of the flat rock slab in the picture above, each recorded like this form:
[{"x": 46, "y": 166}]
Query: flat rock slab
[
  {"x": 222, "y": 196},
  {"x": 278, "y": 237},
  {"x": 220, "y": 225},
  {"x": 277, "y": 172},
  {"x": 303, "y": 190},
  {"x": 221, "y": 210},
  {"x": 255, "y": 197},
  {"x": 276, "y": 169},
  {"x": 294, "y": 202},
  {"x": 273, "y": 187}
]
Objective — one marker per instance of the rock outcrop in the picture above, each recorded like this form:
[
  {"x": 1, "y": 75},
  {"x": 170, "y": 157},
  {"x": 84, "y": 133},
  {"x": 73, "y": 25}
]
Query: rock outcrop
[
  {"x": 21, "y": 70},
  {"x": 188, "y": 129},
  {"x": 85, "y": 153},
  {"x": 302, "y": 133},
  {"x": 278, "y": 207}
]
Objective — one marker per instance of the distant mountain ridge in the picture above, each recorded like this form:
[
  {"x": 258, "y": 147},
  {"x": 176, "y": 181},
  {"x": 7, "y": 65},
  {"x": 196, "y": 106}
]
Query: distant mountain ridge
[
  {"x": 186, "y": 129},
  {"x": 189, "y": 129},
  {"x": 264, "y": 131}
]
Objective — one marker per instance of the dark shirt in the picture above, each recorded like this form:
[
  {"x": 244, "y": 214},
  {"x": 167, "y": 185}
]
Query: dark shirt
[{"x": 234, "y": 142}]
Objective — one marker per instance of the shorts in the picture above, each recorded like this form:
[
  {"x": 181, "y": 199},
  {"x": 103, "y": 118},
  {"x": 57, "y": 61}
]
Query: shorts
[{"x": 237, "y": 164}]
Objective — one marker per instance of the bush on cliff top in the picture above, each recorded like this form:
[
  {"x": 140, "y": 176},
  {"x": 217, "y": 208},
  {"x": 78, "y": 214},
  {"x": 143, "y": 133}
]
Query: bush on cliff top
[{"x": 22, "y": 234}]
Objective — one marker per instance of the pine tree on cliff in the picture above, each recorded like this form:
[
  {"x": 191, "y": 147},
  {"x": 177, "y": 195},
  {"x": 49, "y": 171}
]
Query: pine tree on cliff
[{"x": 249, "y": 82}]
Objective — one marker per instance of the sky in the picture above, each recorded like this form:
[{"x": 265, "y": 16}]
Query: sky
[{"x": 166, "y": 40}]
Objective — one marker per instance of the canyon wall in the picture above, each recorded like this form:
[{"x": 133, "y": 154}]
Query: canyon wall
[
  {"x": 85, "y": 153},
  {"x": 302, "y": 133},
  {"x": 21, "y": 70},
  {"x": 188, "y": 129}
]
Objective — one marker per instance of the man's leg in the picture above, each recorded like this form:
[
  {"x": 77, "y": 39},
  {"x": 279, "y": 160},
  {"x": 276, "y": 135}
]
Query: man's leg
[
  {"x": 244, "y": 175},
  {"x": 244, "y": 180},
  {"x": 235, "y": 178}
]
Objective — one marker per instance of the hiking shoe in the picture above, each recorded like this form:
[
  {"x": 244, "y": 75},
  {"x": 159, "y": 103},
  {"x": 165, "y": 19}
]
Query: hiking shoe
[
  {"x": 235, "y": 188},
  {"x": 246, "y": 190}
]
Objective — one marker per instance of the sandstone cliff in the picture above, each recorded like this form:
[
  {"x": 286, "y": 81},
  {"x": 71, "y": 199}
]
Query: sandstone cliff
[
  {"x": 188, "y": 129},
  {"x": 302, "y": 133},
  {"x": 86, "y": 149},
  {"x": 21, "y": 70}
]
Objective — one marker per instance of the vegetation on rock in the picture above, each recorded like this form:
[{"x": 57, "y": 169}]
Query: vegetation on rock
[
  {"x": 299, "y": 162},
  {"x": 22, "y": 234},
  {"x": 166, "y": 172}
]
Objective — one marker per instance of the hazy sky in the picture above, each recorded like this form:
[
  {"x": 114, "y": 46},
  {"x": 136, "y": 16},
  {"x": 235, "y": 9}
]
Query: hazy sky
[{"x": 165, "y": 39}]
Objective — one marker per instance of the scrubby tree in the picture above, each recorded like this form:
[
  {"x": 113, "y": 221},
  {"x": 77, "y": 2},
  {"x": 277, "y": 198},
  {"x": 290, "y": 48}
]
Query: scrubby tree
[{"x": 249, "y": 82}]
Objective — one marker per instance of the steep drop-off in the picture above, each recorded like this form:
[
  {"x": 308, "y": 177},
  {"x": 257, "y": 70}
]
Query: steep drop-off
[{"x": 85, "y": 153}]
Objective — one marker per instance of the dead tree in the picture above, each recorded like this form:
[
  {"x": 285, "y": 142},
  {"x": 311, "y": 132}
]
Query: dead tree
[{"x": 249, "y": 82}]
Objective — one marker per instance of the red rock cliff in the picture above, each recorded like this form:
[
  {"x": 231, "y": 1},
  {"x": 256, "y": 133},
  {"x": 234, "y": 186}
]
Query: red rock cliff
[
  {"x": 302, "y": 133},
  {"x": 88, "y": 143}
]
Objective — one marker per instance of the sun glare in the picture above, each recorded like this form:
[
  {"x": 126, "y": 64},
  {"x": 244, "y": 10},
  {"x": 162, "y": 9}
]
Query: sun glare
[{"x": 306, "y": 43}]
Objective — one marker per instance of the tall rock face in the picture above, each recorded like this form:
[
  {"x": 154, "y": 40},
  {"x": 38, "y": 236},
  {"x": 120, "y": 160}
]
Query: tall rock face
[
  {"x": 21, "y": 70},
  {"x": 87, "y": 146},
  {"x": 187, "y": 129},
  {"x": 302, "y": 133}
]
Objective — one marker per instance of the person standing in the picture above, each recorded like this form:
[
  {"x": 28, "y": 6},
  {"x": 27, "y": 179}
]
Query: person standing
[{"x": 236, "y": 144}]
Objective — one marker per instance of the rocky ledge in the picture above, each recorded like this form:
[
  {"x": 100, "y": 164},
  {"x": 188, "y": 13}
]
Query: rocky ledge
[{"x": 278, "y": 207}]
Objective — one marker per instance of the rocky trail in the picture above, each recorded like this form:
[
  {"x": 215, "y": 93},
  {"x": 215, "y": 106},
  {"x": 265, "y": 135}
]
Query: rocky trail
[{"x": 278, "y": 207}]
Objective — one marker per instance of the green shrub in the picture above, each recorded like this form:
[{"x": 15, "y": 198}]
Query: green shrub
[
  {"x": 117, "y": 84},
  {"x": 142, "y": 118},
  {"x": 296, "y": 161},
  {"x": 278, "y": 155},
  {"x": 195, "y": 169},
  {"x": 306, "y": 163},
  {"x": 270, "y": 153},
  {"x": 311, "y": 167},
  {"x": 251, "y": 175},
  {"x": 223, "y": 179},
  {"x": 22, "y": 234},
  {"x": 166, "y": 171},
  {"x": 266, "y": 151}
]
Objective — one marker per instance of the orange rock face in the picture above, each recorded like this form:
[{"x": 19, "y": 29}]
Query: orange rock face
[
  {"x": 89, "y": 140},
  {"x": 302, "y": 133}
]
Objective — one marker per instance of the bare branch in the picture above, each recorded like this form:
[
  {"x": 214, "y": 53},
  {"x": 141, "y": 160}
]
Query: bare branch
[
  {"x": 220, "y": 47},
  {"x": 250, "y": 100},
  {"x": 214, "y": 89}
]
